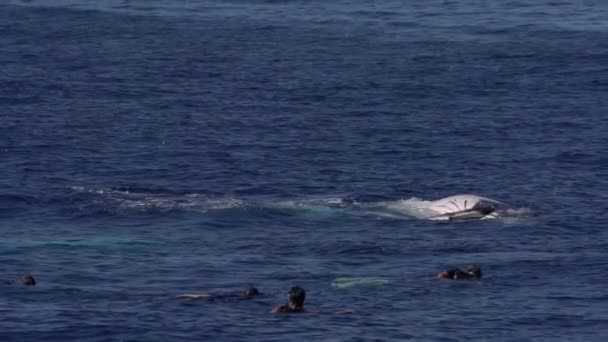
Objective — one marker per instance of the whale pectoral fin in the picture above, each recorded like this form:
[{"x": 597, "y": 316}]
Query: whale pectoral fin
[
  {"x": 442, "y": 217},
  {"x": 470, "y": 214},
  {"x": 492, "y": 215}
]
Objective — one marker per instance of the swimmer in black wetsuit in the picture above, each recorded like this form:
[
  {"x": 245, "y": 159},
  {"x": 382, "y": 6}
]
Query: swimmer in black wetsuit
[
  {"x": 295, "y": 302},
  {"x": 248, "y": 293},
  {"x": 28, "y": 280},
  {"x": 473, "y": 272}
]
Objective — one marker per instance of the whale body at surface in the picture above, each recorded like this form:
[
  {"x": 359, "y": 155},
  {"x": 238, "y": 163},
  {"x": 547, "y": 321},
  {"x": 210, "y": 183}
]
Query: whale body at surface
[{"x": 466, "y": 207}]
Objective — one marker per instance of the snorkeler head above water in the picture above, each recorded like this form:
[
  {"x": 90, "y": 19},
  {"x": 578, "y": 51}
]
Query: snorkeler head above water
[
  {"x": 250, "y": 292},
  {"x": 295, "y": 301},
  {"x": 28, "y": 280},
  {"x": 473, "y": 272}
]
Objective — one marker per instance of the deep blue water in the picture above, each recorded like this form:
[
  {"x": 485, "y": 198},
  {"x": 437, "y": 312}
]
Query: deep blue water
[{"x": 153, "y": 148}]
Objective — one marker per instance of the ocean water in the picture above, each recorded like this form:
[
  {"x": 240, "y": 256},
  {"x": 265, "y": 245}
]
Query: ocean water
[{"x": 154, "y": 148}]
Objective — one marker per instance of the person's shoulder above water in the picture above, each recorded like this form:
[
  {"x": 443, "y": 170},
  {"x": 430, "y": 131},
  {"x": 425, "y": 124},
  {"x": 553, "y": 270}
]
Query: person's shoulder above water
[
  {"x": 285, "y": 308},
  {"x": 473, "y": 272}
]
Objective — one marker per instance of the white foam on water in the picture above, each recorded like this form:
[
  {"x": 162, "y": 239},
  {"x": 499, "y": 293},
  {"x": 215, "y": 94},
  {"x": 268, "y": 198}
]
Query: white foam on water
[
  {"x": 124, "y": 200},
  {"x": 346, "y": 282}
]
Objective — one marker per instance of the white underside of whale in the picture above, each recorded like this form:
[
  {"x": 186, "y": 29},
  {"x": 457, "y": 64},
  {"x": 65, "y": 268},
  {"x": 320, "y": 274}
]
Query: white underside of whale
[
  {"x": 457, "y": 207},
  {"x": 463, "y": 205}
]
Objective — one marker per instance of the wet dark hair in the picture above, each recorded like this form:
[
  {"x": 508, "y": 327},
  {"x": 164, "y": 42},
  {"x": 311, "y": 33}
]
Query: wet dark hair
[
  {"x": 28, "y": 280},
  {"x": 251, "y": 292},
  {"x": 296, "y": 297},
  {"x": 451, "y": 272},
  {"x": 460, "y": 274},
  {"x": 474, "y": 270}
]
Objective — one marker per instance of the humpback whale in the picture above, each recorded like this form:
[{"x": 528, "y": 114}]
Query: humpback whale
[{"x": 466, "y": 207}]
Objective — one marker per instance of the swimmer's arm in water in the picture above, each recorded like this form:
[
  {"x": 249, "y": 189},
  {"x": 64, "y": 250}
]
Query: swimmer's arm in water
[
  {"x": 284, "y": 308},
  {"x": 344, "y": 311}
]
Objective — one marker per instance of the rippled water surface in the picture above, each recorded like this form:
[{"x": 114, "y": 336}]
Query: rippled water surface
[{"x": 154, "y": 148}]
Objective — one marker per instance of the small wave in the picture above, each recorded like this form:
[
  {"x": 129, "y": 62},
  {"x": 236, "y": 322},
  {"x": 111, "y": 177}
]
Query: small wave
[
  {"x": 310, "y": 208},
  {"x": 85, "y": 242},
  {"x": 13, "y": 204},
  {"x": 125, "y": 200},
  {"x": 17, "y": 199}
]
